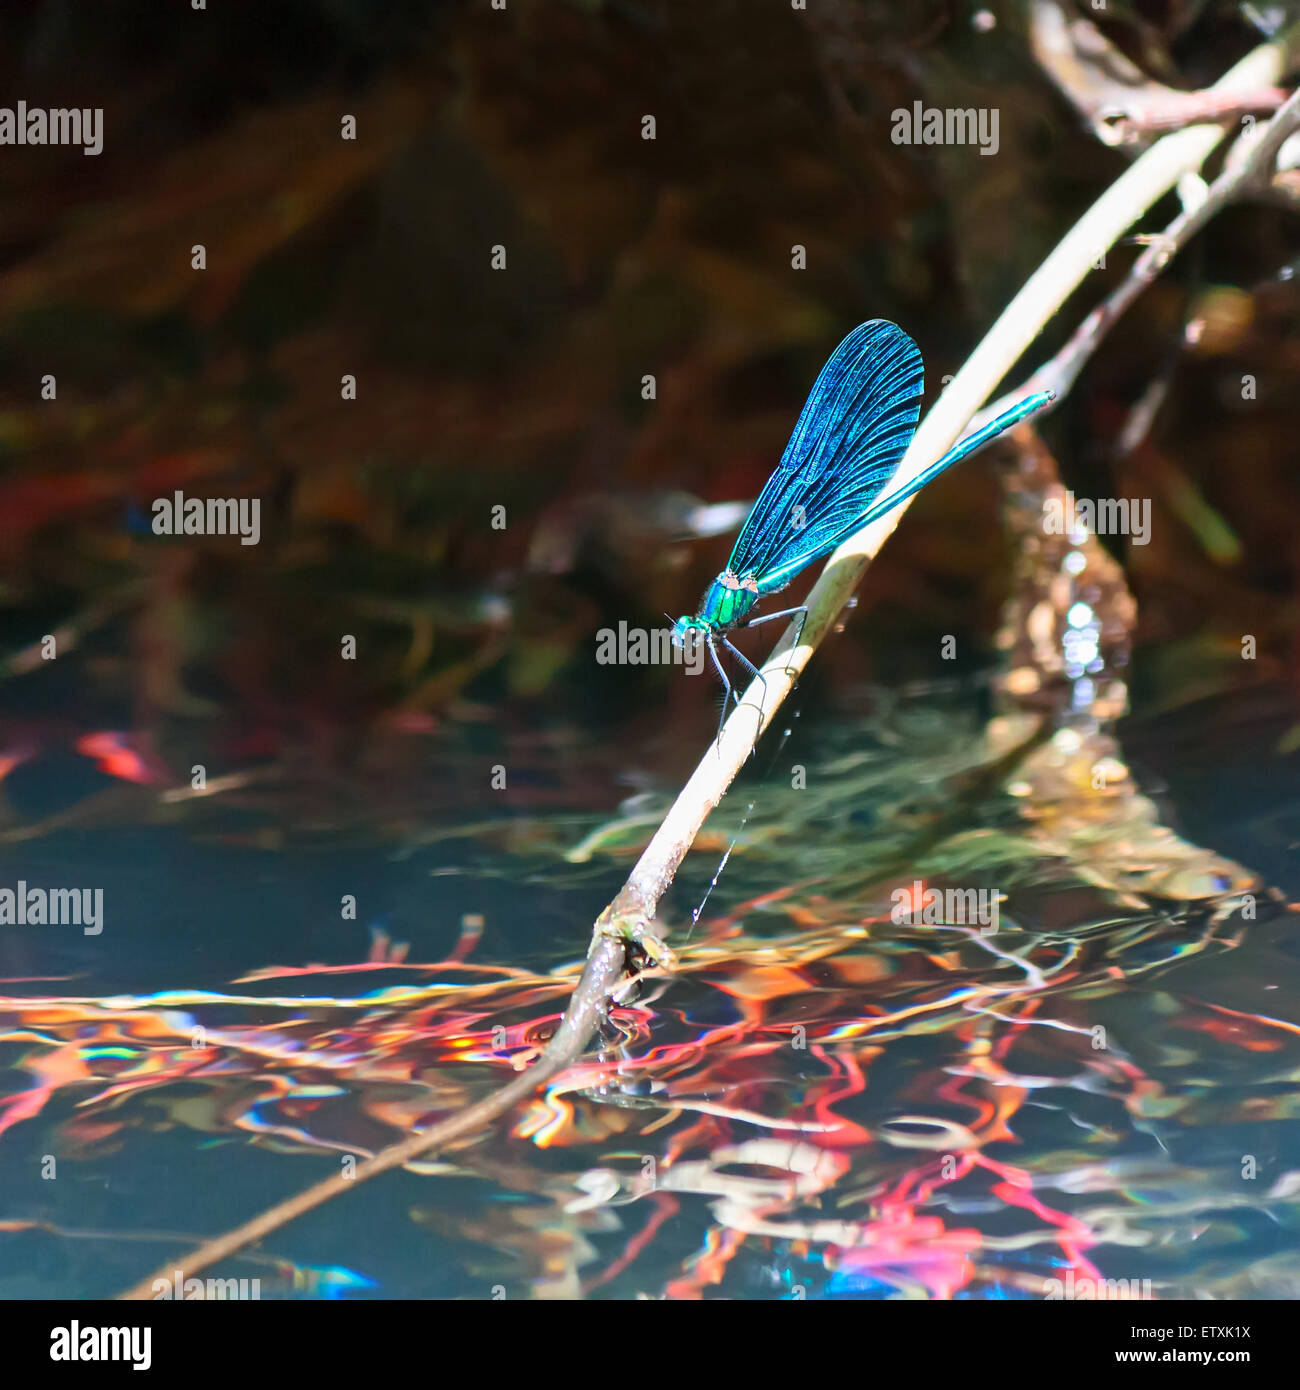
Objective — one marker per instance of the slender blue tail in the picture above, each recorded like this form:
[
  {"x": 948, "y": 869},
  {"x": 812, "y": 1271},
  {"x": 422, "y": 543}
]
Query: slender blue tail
[{"x": 1020, "y": 411}]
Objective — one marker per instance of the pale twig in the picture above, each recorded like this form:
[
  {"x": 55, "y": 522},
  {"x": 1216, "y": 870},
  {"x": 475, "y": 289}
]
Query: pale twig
[
  {"x": 1123, "y": 105},
  {"x": 1247, "y": 173}
]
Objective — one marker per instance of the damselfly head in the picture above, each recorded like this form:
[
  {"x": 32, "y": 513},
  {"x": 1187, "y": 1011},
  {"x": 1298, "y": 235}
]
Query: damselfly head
[{"x": 687, "y": 632}]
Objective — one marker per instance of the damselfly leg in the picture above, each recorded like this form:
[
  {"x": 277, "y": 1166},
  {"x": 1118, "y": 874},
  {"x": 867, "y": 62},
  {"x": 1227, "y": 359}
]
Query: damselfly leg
[
  {"x": 802, "y": 611},
  {"x": 749, "y": 666},
  {"x": 729, "y": 692}
]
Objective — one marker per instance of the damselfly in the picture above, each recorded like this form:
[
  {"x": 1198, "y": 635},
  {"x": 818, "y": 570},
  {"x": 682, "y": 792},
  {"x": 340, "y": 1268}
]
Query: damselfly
[{"x": 851, "y": 434}]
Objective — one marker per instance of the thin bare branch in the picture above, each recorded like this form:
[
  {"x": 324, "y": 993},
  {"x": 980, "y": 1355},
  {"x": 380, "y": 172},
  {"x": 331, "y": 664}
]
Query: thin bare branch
[{"x": 1250, "y": 173}]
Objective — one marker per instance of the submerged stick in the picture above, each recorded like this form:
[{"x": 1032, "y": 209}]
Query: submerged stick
[{"x": 627, "y": 923}]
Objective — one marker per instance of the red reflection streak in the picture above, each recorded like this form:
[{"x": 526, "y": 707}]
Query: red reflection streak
[
  {"x": 1226, "y": 1031},
  {"x": 1229, "y": 1033},
  {"x": 114, "y": 755},
  {"x": 902, "y": 1200},
  {"x": 993, "y": 1116},
  {"x": 665, "y": 1206},
  {"x": 952, "y": 1090},
  {"x": 846, "y": 1133},
  {"x": 60, "y": 1067},
  {"x": 1266, "y": 1019},
  {"x": 1016, "y": 1189}
]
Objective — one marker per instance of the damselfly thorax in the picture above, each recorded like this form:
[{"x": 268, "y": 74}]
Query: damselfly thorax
[{"x": 727, "y": 600}]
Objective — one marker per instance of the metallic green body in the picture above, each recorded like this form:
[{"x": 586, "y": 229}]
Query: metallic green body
[{"x": 725, "y": 605}]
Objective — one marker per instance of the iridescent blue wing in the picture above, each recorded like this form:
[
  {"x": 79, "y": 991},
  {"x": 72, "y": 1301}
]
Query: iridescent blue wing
[{"x": 854, "y": 428}]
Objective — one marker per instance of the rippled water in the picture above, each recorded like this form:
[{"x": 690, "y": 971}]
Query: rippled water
[{"x": 825, "y": 1098}]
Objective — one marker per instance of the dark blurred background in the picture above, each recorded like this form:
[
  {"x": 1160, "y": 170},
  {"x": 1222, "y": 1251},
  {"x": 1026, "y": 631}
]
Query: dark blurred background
[{"x": 521, "y": 388}]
